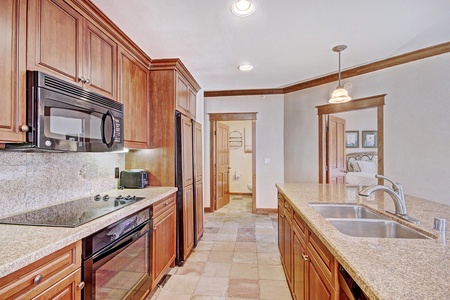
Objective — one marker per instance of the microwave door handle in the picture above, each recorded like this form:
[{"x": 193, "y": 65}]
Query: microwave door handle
[{"x": 113, "y": 131}]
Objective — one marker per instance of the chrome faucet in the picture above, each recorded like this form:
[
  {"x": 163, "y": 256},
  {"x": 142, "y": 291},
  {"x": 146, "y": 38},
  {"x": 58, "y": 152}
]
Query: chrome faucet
[{"x": 396, "y": 194}]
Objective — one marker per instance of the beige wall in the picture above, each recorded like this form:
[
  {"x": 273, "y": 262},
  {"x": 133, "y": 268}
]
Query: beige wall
[{"x": 417, "y": 125}]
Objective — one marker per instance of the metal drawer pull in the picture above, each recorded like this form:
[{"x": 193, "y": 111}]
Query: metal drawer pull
[
  {"x": 81, "y": 285},
  {"x": 167, "y": 203},
  {"x": 305, "y": 257},
  {"x": 38, "y": 279}
]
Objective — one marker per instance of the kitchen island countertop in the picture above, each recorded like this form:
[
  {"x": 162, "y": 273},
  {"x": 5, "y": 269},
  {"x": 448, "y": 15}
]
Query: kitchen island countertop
[
  {"x": 384, "y": 268},
  {"x": 22, "y": 245}
]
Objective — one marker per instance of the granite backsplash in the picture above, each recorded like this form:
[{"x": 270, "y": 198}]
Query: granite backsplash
[{"x": 33, "y": 180}]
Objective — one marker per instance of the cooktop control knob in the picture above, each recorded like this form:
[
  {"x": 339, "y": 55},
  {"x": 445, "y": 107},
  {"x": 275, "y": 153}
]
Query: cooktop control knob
[
  {"x": 97, "y": 197},
  {"x": 106, "y": 198}
]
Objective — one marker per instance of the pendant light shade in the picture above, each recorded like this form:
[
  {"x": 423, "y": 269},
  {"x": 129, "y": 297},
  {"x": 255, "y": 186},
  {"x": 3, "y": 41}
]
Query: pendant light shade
[{"x": 340, "y": 94}]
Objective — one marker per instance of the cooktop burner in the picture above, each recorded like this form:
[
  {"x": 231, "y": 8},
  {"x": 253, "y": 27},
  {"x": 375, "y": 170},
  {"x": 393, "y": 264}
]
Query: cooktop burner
[{"x": 73, "y": 213}]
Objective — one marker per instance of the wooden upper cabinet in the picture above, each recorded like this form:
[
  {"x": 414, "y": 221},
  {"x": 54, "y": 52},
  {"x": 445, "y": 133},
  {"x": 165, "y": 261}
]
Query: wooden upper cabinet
[
  {"x": 186, "y": 98},
  {"x": 12, "y": 70},
  {"x": 54, "y": 39},
  {"x": 133, "y": 93},
  {"x": 65, "y": 44},
  {"x": 182, "y": 96},
  {"x": 100, "y": 61},
  {"x": 173, "y": 86},
  {"x": 192, "y": 103}
]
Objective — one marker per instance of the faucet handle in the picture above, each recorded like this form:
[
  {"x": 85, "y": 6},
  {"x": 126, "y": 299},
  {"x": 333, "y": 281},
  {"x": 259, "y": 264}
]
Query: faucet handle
[{"x": 395, "y": 185}]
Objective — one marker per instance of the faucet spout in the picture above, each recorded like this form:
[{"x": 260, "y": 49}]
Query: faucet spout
[{"x": 397, "y": 197}]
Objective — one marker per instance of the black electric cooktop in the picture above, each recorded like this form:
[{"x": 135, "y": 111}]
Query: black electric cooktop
[{"x": 73, "y": 213}]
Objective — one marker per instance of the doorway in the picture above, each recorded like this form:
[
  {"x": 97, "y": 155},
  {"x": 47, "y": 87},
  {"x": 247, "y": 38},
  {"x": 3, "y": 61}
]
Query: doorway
[
  {"x": 219, "y": 158},
  {"x": 324, "y": 111}
]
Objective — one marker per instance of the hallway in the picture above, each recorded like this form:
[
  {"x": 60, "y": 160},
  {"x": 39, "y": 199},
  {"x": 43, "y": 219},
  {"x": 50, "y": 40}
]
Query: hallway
[{"x": 237, "y": 258}]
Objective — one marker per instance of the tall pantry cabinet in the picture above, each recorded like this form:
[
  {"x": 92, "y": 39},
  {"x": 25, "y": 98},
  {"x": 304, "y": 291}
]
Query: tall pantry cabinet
[{"x": 170, "y": 159}]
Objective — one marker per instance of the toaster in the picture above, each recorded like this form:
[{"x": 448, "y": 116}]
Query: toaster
[{"x": 134, "y": 179}]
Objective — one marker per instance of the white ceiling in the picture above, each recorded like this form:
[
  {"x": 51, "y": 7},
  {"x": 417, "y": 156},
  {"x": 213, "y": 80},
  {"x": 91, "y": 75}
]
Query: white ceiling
[{"x": 287, "y": 41}]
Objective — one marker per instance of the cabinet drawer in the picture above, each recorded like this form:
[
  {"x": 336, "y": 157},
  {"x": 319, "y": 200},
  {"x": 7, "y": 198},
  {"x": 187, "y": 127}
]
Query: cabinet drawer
[
  {"x": 326, "y": 263},
  {"x": 163, "y": 205},
  {"x": 288, "y": 210},
  {"x": 40, "y": 275},
  {"x": 300, "y": 226}
]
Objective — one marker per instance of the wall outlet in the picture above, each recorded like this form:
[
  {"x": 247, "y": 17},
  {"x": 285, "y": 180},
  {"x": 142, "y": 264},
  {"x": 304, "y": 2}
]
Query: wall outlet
[{"x": 116, "y": 172}]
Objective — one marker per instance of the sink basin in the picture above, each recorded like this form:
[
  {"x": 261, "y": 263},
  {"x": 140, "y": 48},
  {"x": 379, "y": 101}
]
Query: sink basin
[
  {"x": 359, "y": 221},
  {"x": 375, "y": 228},
  {"x": 345, "y": 211}
]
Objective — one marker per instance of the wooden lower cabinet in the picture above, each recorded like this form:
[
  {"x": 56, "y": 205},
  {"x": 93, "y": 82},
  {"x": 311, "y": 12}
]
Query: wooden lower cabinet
[
  {"x": 311, "y": 270},
  {"x": 66, "y": 289},
  {"x": 164, "y": 238},
  {"x": 299, "y": 270},
  {"x": 56, "y": 276}
]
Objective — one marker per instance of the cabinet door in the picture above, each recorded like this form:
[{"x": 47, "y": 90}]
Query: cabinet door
[
  {"x": 54, "y": 39},
  {"x": 186, "y": 140},
  {"x": 281, "y": 229},
  {"x": 318, "y": 287},
  {"x": 164, "y": 244},
  {"x": 133, "y": 93},
  {"x": 299, "y": 267},
  {"x": 199, "y": 209},
  {"x": 188, "y": 220},
  {"x": 66, "y": 289},
  {"x": 100, "y": 62},
  {"x": 198, "y": 165},
  {"x": 287, "y": 232},
  {"x": 182, "y": 95},
  {"x": 192, "y": 103},
  {"x": 12, "y": 70}
]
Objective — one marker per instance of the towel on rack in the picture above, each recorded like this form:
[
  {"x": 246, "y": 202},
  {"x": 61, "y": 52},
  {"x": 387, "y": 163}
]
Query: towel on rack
[{"x": 247, "y": 140}]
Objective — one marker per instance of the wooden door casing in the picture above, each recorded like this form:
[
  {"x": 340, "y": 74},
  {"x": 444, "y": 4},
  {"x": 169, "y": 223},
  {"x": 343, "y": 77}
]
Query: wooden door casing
[
  {"x": 336, "y": 151},
  {"x": 223, "y": 164},
  {"x": 199, "y": 218}
]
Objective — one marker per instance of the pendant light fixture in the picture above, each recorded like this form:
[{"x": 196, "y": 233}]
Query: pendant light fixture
[{"x": 340, "y": 94}]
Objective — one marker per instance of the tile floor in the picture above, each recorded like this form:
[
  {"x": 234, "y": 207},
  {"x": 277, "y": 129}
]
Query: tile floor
[{"x": 237, "y": 258}]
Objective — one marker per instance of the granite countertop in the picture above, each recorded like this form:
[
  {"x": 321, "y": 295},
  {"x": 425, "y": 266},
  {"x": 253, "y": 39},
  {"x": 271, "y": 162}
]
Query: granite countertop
[
  {"x": 384, "y": 268},
  {"x": 22, "y": 245}
]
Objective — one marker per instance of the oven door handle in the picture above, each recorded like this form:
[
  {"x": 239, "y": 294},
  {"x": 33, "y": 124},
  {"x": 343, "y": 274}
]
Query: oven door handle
[{"x": 105, "y": 255}]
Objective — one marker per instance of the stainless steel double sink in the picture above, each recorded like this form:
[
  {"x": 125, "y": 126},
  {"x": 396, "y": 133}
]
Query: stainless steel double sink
[{"x": 359, "y": 221}]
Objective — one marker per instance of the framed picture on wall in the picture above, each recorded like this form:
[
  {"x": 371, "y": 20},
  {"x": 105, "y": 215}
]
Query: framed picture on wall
[
  {"x": 352, "y": 139},
  {"x": 369, "y": 139}
]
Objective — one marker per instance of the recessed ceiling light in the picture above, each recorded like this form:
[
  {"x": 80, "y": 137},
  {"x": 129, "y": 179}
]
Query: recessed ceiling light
[
  {"x": 245, "y": 67},
  {"x": 243, "y": 8}
]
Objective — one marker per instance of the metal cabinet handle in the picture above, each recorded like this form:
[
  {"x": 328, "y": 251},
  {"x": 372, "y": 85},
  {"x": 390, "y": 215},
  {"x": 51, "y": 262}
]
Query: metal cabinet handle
[
  {"x": 24, "y": 128},
  {"x": 81, "y": 285},
  {"x": 83, "y": 80},
  {"x": 281, "y": 216},
  {"x": 167, "y": 203},
  {"x": 38, "y": 279},
  {"x": 305, "y": 257},
  {"x": 88, "y": 81}
]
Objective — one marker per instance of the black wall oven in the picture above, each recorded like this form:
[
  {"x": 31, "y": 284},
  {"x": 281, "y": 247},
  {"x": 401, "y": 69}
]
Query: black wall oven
[{"x": 117, "y": 259}]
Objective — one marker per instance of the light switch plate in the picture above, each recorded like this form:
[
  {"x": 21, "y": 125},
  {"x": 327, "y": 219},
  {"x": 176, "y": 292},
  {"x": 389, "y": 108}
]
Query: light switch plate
[{"x": 267, "y": 160}]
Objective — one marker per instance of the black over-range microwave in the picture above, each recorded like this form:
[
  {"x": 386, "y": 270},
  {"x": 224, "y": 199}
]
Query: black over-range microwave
[{"x": 65, "y": 117}]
